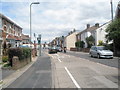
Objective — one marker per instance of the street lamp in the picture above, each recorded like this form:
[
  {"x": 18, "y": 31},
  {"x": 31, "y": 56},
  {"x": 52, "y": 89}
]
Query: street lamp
[
  {"x": 111, "y": 10},
  {"x": 30, "y": 21}
]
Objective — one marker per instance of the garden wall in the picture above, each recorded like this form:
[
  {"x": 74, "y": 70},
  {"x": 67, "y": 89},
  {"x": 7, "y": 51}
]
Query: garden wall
[
  {"x": 80, "y": 49},
  {"x": 16, "y": 63}
]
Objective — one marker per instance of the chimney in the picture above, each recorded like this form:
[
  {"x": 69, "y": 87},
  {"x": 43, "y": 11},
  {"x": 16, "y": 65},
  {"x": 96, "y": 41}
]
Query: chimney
[
  {"x": 74, "y": 30},
  {"x": 97, "y": 25},
  {"x": 88, "y": 25}
]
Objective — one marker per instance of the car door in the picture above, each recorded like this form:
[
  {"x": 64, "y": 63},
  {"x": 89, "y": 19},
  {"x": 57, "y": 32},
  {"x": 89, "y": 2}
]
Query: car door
[
  {"x": 95, "y": 51},
  {"x": 92, "y": 51}
]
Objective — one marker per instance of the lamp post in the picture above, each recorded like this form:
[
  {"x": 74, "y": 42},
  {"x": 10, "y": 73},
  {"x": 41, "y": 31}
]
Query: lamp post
[
  {"x": 111, "y": 10},
  {"x": 31, "y": 21}
]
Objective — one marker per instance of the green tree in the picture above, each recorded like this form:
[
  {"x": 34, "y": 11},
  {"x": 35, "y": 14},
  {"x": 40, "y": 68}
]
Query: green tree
[
  {"x": 80, "y": 44},
  {"x": 90, "y": 41},
  {"x": 4, "y": 51},
  {"x": 113, "y": 31},
  {"x": 77, "y": 44},
  {"x": 100, "y": 43}
]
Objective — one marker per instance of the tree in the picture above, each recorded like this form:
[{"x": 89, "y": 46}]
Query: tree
[
  {"x": 100, "y": 43},
  {"x": 77, "y": 44},
  {"x": 80, "y": 44},
  {"x": 113, "y": 31},
  {"x": 4, "y": 48},
  {"x": 90, "y": 41}
]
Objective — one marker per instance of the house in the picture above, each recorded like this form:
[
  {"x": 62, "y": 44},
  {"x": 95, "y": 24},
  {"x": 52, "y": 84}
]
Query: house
[
  {"x": 25, "y": 39},
  {"x": 81, "y": 36},
  {"x": 70, "y": 39},
  {"x": 101, "y": 33},
  {"x": 11, "y": 32}
]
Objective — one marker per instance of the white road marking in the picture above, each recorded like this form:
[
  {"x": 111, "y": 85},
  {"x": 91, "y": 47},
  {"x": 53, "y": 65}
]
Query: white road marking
[
  {"x": 57, "y": 55},
  {"x": 59, "y": 60},
  {"x": 68, "y": 56},
  {"x": 52, "y": 56},
  {"x": 74, "y": 81}
]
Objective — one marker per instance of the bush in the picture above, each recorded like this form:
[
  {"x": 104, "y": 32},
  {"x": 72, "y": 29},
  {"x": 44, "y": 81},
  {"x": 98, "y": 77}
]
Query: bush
[
  {"x": 22, "y": 53},
  {"x": 26, "y": 52},
  {"x": 80, "y": 44},
  {"x": 90, "y": 41},
  {"x": 4, "y": 58},
  {"x": 6, "y": 65}
]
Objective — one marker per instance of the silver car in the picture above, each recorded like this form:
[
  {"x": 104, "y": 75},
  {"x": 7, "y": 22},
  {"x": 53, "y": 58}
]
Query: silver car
[{"x": 100, "y": 52}]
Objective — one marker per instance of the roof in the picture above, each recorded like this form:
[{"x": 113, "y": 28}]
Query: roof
[
  {"x": 17, "y": 38},
  {"x": 88, "y": 29},
  {"x": 10, "y": 37},
  {"x": 25, "y": 36}
]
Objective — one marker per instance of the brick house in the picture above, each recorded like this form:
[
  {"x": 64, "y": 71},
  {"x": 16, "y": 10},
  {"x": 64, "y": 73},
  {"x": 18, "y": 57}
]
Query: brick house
[
  {"x": 11, "y": 32},
  {"x": 25, "y": 39}
]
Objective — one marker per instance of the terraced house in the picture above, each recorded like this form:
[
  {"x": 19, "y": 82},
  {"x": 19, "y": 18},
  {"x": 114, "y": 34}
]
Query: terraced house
[
  {"x": 90, "y": 30},
  {"x": 11, "y": 32}
]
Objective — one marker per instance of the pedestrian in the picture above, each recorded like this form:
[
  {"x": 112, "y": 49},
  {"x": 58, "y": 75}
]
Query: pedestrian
[{"x": 64, "y": 49}]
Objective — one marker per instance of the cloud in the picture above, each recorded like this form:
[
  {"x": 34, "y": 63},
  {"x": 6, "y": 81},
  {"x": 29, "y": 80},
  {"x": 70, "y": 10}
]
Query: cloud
[{"x": 57, "y": 17}]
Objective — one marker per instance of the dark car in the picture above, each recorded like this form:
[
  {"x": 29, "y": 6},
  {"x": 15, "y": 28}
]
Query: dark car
[{"x": 52, "y": 50}]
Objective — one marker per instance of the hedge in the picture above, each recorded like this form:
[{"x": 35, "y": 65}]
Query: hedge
[{"x": 22, "y": 53}]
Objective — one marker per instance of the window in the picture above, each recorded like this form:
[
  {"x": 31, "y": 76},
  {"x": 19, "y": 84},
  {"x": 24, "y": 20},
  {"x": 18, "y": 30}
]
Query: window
[{"x": 5, "y": 22}]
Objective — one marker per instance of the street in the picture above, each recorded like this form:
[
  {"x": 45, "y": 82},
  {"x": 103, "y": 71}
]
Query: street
[
  {"x": 73, "y": 72},
  {"x": 37, "y": 76},
  {"x": 67, "y": 70},
  {"x": 109, "y": 62}
]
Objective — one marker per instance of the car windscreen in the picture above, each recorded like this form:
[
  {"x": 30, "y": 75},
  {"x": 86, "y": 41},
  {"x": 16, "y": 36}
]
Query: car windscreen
[
  {"x": 102, "y": 48},
  {"x": 53, "y": 47}
]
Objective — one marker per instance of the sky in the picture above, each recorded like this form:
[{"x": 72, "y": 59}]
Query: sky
[{"x": 55, "y": 18}]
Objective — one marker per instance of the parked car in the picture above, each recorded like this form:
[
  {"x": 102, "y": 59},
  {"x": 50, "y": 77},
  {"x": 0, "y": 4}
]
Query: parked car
[
  {"x": 52, "y": 50},
  {"x": 59, "y": 49},
  {"x": 24, "y": 46},
  {"x": 100, "y": 52}
]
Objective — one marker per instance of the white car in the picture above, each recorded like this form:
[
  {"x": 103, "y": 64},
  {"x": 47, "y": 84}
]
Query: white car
[{"x": 100, "y": 52}]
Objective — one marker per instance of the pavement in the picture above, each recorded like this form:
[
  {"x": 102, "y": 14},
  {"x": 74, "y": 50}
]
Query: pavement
[{"x": 11, "y": 78}]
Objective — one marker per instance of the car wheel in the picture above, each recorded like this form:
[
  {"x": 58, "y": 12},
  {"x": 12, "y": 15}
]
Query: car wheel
[
  {"x": 98, "y": 56},
  {"x": 91, "y": 55},
  {"x": 111, "y": 58}
]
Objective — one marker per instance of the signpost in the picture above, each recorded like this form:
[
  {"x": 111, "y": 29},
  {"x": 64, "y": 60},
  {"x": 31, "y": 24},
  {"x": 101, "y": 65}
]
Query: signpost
[{"x": 39, "y": 42}]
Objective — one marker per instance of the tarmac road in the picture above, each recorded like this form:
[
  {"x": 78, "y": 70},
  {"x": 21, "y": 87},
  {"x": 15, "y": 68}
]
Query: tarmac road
[{"x": 39, "y": 75}]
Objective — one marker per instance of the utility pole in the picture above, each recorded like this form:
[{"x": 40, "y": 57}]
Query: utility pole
[
  {"x": 111, "y": 10},
  {"x": 39, "y": 42},
  {"x": 112, "y": 21}
]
